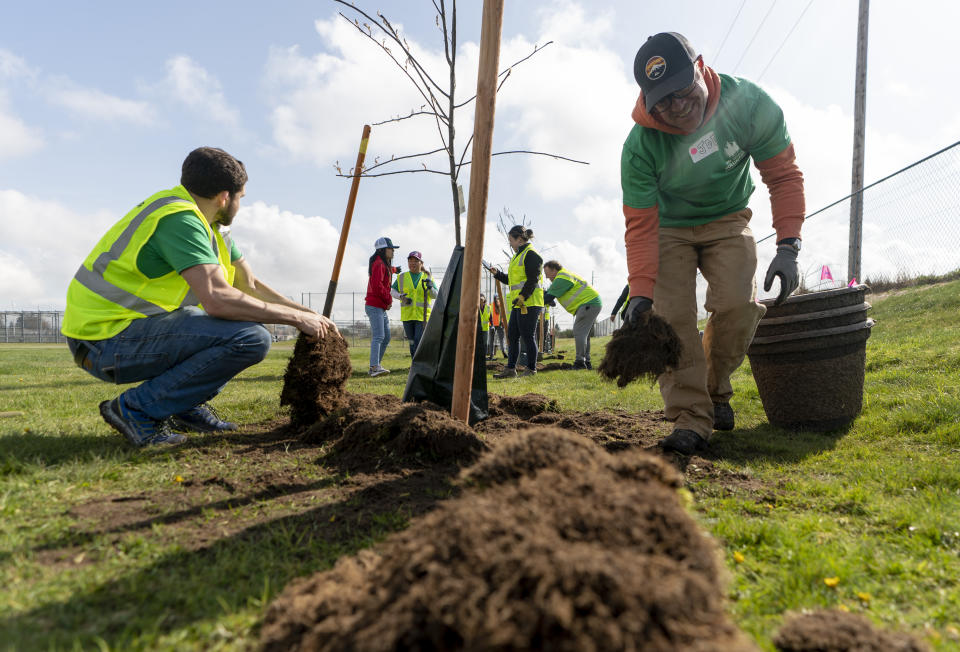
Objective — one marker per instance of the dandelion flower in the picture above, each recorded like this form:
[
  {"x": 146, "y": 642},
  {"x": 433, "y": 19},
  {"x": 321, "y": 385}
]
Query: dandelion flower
[
  {"x": 831, "y": 581},
  {"x": 738, "y": 557}
]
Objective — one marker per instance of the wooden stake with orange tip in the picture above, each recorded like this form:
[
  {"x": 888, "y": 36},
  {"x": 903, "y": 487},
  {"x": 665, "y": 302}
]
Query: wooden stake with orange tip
[
  {"x": 345, "y": 229},
  {"x": 476, "y": 216}
]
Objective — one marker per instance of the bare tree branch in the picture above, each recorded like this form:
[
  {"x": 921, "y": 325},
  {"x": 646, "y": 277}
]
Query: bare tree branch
[
  {"x": 400, "y": 118},
  {"x": 384, "y": 25},
  {"x": 394, "y": 159},
  {"x": 507, "y": 70},
  {"x": 445, "y": 173}
]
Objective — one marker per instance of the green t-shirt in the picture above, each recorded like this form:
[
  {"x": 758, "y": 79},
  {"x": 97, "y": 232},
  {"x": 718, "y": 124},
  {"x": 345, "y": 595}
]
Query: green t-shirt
[
  {"x": 415, "y": 278},
  {"x": 697, "y": 178},
  {"x": 179, "y": 242}
]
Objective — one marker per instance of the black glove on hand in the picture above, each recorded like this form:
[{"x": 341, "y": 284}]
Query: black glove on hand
[
  {"x": 406, "y": 301},
  {"x": 636, "y": 307},
  {"x": 785, "y": 266}
]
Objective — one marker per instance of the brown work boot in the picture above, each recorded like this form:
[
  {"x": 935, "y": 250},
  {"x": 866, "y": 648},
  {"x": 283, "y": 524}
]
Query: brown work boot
[
  {"x": 508, "y": 372},
  {"x": 685, "y": 442},
  {"x": 722, "y": 416},
  {"x": 528, "y": 372}
]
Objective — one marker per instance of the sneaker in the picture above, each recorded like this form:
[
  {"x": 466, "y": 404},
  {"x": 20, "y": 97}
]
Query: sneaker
[
  {"x": 508, "y": 372},
  {"x": 589, "y": 366},
  {"x": 685, "y": 442},
  {"x": 722, "y": 416},
  {"x": 579, "y": 364},
  {"x": 378, "y": 371},
  {"x": 137, "y": 427},
  {"x": 202, "y": 418}
]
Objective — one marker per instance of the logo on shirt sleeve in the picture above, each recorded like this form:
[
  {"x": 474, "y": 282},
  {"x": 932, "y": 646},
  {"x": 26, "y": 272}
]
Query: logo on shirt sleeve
[{"x": 704, "y": 147}]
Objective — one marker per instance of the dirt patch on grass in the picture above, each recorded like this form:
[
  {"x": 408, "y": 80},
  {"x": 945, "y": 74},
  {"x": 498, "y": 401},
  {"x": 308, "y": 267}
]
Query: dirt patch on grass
[
  {"x": 315, "y": 381},
  {"x": 838, "y": 631},
  {"x": 562, "y": 546},
  {"x": 642, "y": 348}
]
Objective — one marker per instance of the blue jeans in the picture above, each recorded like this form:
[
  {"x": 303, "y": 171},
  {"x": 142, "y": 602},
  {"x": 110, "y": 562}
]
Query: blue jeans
[
  {"x": 379, "y": 333},
  {"x": 525, "y": 327},
  {"x": 414, "y": 331},
  {"x": 185, "y": 358}
]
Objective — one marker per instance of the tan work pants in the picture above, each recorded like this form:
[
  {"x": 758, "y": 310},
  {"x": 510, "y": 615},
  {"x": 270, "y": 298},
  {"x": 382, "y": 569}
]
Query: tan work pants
[{"x": 726, "y": 254}]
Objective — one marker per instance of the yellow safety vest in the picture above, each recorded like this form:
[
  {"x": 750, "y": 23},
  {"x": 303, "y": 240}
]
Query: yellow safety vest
[
  {"x": 517, "y": 278},
  {"x": 108, "y": 291},
  {"x": 415, "y": 292},
  {"x": 578, "y": 294},
  {"x": 485, "y": 318}
]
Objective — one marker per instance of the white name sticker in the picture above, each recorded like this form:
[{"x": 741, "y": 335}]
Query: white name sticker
[{"x": 704, "y": 148}]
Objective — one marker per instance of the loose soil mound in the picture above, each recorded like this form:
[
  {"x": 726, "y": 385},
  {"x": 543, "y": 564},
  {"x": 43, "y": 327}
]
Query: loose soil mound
[
  {"x": 642, "y": 348},
  {"x": 372, "y": 432},
  {"x": 531, "y": 451},
  {"x": 573, "y": 559},
  {"x": 613, "y": 429},
  {"x": 316, "y": 377},
  {"x": 525, "y": 405},
  {"x": 838, "y": 631}
]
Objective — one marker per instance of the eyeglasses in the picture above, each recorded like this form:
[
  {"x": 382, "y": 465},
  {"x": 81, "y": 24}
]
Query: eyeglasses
[{"x": 667, "y": 102}]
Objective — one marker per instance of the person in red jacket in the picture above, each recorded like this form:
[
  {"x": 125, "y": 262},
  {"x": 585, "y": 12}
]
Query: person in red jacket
[{"x": 379, "y": 301}]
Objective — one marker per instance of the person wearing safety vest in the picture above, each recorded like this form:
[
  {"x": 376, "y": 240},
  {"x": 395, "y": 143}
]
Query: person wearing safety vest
[
  {"x": 167, "y": 299},
  {"x": 525, "y": 297},
  {"x": 580, "y": 300},
  {"x": 485, "y": 316},
  {"x": 414, "y": 289},
  {"x": 496, "y": 329}
]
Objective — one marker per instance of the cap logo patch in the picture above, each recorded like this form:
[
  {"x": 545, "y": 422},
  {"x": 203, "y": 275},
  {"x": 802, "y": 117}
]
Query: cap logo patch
[{"x": 655, "y": 67}]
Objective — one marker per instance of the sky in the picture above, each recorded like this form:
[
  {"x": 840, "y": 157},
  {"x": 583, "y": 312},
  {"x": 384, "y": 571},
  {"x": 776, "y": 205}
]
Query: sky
[{"x": 101, "y": 101}]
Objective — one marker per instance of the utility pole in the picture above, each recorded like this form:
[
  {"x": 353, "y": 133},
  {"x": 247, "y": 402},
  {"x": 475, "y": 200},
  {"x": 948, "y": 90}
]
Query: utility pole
[{"x": 859, "y": 127}]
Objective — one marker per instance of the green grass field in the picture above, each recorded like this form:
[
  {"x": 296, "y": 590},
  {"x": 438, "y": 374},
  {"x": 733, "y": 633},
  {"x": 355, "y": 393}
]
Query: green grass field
[{"x": 867, "y": 519}]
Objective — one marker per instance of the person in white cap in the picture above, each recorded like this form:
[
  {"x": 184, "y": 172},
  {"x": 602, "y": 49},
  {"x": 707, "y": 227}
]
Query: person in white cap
[
  {"x": 685, "y": 175},
  {"x": 379, "y": 301},
  {"x": 414, "y": 289}
]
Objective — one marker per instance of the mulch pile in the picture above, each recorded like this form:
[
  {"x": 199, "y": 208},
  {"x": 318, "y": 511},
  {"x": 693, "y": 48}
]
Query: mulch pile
[
  {"x": 839, "y": 631},
  {"x": 316, "y": 377},
  {"x": 641, "y": 348},
  {"x": 553, "y": 544}
]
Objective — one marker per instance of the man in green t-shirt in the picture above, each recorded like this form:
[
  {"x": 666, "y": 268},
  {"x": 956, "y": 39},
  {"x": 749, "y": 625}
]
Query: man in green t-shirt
[
  {"x": 165, "y": 297},
  {"x": 686, "y": 185}
]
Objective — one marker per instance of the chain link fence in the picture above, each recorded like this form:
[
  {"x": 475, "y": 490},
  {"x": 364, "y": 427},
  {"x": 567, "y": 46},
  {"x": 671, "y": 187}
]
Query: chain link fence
[{"x": 908, "y": 219}]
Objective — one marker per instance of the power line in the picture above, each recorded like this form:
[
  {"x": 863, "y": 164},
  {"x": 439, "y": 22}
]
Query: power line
[
  {"x": 716, "y": 56},
  {"x": 759, "y": 27},
  {"x": 785, "y": 40}
]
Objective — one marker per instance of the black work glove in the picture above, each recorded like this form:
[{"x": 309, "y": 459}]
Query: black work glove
[
  {"x": 406, "y": 301},
  {"x": 785, "y": 266},
  {"x": 549, "y": 300},
  {"x": 636, "y": 307}
]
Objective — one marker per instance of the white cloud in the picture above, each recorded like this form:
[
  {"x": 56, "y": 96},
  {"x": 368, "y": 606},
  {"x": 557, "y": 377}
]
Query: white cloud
[
  {"x": 93, "y": 103},
  {"x": 41, "y": 245},
  {"x": 193, "y": 86},
  {"x": 352, "y": 83},
  {"x": 14, "y": 67},
  {"x": 16, "y": 137}
]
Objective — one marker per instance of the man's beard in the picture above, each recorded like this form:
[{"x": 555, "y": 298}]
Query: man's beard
[{"x": 224, "y": 218}]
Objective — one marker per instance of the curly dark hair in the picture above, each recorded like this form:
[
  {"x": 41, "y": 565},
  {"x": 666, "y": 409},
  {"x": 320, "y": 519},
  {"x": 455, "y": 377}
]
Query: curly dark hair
[{"x": 209, "y": 170}]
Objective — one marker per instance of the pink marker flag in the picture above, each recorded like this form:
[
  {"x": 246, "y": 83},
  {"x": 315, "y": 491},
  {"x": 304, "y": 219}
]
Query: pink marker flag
[
  {"x": 825, "y": 274},
  {"x": 852, "y": 282}
]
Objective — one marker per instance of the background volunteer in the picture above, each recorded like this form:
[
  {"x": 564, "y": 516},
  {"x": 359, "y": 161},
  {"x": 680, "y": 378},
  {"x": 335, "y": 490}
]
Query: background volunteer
[
  {"x": 378, "y": 302},
  {"x": 580, "y": 300},
  {"x": 525, "y": 298},
  {"x": 414, "y": 288}
]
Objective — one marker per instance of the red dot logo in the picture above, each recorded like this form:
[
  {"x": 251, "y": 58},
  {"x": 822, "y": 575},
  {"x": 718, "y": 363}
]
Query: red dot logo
[{"x": 693, "y": 150}]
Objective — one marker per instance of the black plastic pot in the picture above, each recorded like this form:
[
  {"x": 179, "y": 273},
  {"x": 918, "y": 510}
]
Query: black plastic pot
[{"x": 808, "y": 358}]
